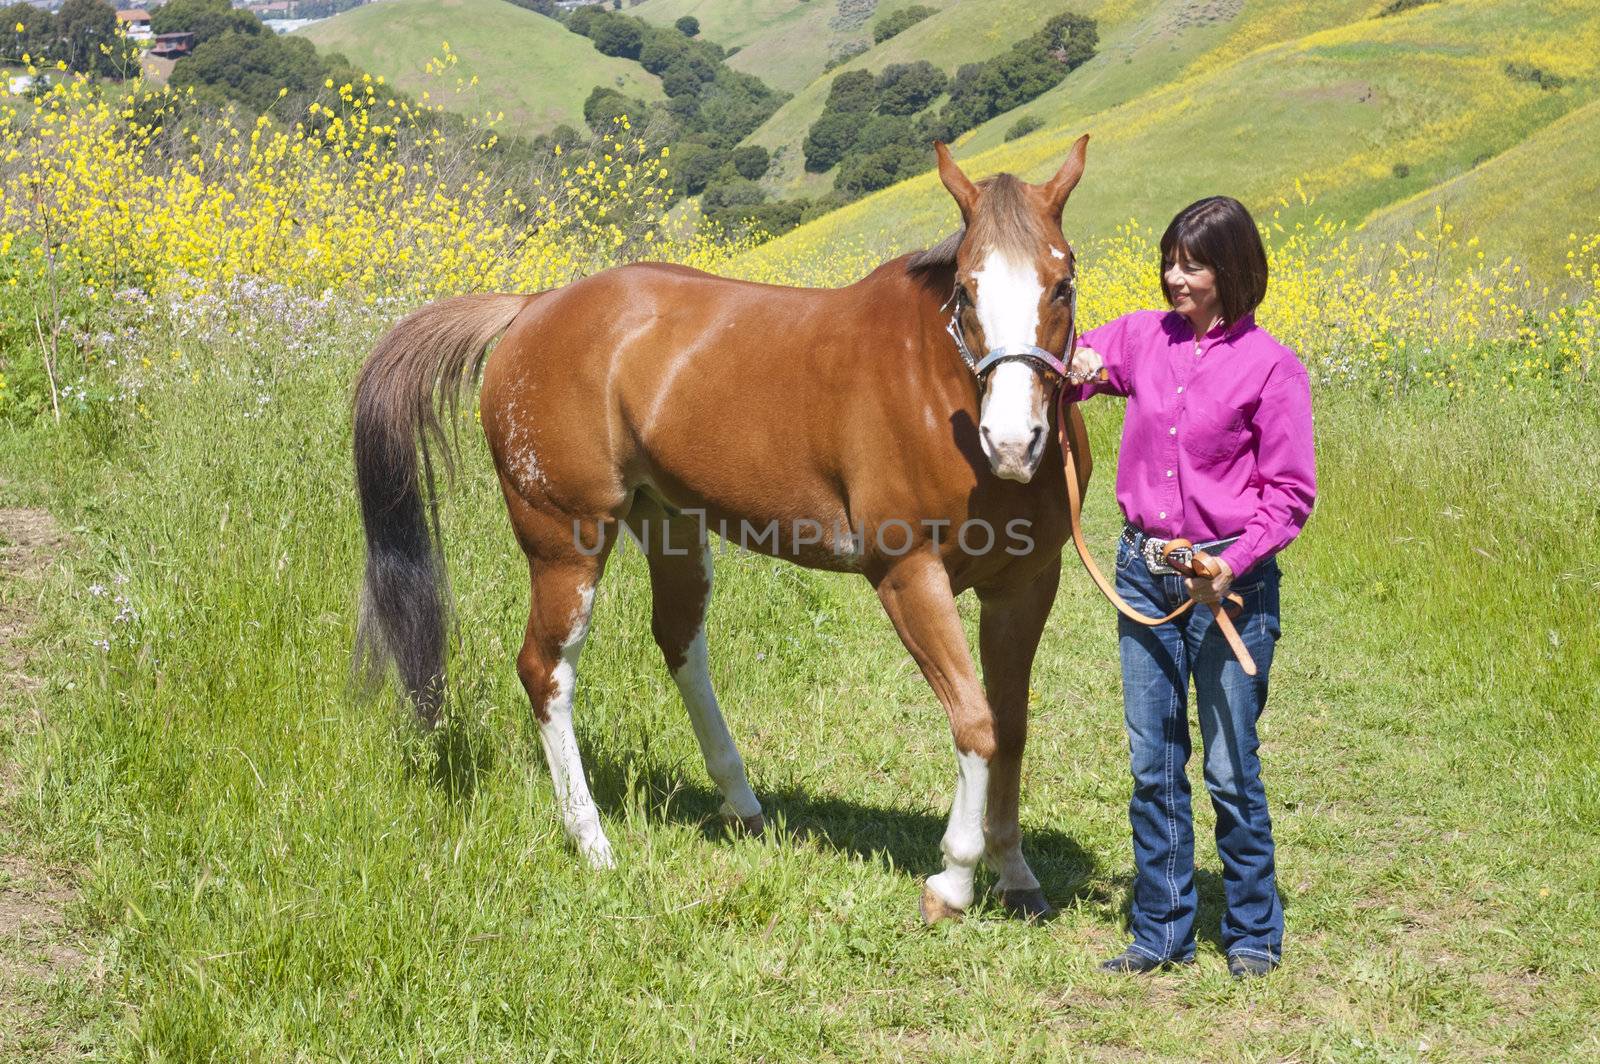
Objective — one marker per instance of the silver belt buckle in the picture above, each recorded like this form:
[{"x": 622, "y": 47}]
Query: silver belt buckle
[{"x": 1152, "y": 550}]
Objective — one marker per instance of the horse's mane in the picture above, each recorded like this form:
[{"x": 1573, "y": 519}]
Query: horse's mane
[{"x": 1004, "y": 220}]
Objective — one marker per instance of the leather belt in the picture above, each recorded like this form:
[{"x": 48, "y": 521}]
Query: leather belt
[{"x": 1154, "y": 550}]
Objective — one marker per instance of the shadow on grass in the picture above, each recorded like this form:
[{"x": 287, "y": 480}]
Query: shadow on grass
[{"x": 907, "y": 838}]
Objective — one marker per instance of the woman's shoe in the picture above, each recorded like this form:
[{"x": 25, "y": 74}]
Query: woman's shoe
[
  {"x": 1244, "y": 966},
  {"x": 1131, "y": 962}
]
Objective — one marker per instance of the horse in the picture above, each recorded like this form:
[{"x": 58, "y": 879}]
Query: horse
[{"x": 653, "y": 396}]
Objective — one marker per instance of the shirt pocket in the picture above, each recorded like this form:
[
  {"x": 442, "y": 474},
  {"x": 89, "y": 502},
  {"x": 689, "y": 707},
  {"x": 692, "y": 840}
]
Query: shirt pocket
[{"x": 1213, "y": 432}]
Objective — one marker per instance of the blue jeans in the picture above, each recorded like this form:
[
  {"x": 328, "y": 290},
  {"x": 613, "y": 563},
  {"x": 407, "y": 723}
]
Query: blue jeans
[{"x": 1157, "y": 665}]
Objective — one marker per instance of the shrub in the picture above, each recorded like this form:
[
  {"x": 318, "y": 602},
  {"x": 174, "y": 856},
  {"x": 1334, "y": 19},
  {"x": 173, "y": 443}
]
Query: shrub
[
  {"x": 900, "y": 21},
  {"x": 855, "y": 90},
  {"x": 688, "y": 25},
  {"x": 1023, "y": 126},
  {"x": 845, "y": 54},
  {"x": 1529, "y": 73},
  {"x": 604, "y": 105},
  {"x": 751, "y": 161}
]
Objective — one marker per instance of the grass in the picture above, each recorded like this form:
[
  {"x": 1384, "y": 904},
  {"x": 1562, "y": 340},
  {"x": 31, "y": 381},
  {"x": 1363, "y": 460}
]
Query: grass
[
  {"x": 528, "y": 66},
  {"x": 1528, "y": 196},
  {"x": 1338, "y": 108},
  {"x": 273, "y": 870}
]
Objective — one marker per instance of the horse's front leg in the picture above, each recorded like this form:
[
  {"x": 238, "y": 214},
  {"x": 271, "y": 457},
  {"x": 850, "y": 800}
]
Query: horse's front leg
[
  {"x": 916, "y": 594},
  {"x": 1008, "y": 635}
]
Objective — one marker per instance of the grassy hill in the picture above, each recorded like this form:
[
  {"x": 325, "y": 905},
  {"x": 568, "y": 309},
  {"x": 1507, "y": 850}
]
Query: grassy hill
[
  {"x": 785, "y": 43},
  {"x": 1368, "y": 113},
  {"x": 1530, "y": 196},
  {"x": 527, "y": 65}
]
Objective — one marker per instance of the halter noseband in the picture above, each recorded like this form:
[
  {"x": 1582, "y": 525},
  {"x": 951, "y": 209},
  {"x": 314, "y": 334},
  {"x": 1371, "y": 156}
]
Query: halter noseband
[{"x": 1040, "y": 360}]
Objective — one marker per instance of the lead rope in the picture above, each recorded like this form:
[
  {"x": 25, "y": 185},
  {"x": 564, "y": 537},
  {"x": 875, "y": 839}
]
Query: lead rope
[{"x": 1071, "y": 440}]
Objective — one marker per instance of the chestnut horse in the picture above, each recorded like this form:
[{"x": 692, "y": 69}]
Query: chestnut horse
[{"x": 667, "y": 401}]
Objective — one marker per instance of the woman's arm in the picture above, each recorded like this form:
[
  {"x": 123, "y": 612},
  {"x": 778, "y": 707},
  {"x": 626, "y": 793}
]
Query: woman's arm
[
  {"x": 1286, "y": 465},
  {"x": 1103, "y": 348}
]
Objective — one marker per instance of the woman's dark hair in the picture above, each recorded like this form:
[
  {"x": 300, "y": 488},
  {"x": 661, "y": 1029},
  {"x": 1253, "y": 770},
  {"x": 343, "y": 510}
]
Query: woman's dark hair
[{"x": 1219, "y": 233}]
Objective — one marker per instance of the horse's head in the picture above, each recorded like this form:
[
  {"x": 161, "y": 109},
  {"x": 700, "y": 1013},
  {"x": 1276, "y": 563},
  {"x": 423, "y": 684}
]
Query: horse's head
[{"x": 1015, "y": 282}]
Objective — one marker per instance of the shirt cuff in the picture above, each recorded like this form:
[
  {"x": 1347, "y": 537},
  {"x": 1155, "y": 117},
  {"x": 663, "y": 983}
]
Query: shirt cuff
[{"x": 1239, "y": 558}]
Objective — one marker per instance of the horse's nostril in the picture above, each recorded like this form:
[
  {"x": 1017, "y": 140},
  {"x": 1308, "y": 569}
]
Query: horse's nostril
[{"x": 1035, "y": 441}]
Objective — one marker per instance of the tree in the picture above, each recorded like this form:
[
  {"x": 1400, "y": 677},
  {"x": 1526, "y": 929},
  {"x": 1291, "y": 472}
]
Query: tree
[
  {"x": 830, "y": 138},
  {"x": 688, "y": 25},
  {"x": 582, "y": 21},
  {"x": 751, "y": 161},
  {"x": 604, "y": 105},
  {"x": 1071, "y": 39},
  {"x": 87, "y": 30},
  {"x": 854, "y": 90},
  {"x": 38, "y": 37},
  {"x": 206, "y": 19},
  {"x": 901, "y": 20},
  {"x": 251, "y": 69},
  {"x": 906, "y": 88},
  {"x": 618, "y": 35},
  {"x": 697, "y": 165}
]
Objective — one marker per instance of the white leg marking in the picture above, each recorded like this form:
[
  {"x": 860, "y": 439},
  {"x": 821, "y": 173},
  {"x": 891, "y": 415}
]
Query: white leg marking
[
  {"x": 723, "y": 762},
  {"x": 963, "y": 838},
  {"x": 578, "y": 812}
]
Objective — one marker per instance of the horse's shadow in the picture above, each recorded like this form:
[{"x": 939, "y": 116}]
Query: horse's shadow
[{"x": 907, "y": 838}]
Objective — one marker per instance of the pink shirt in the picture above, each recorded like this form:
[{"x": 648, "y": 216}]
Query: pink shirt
[{"x": 1217, "y": 438}]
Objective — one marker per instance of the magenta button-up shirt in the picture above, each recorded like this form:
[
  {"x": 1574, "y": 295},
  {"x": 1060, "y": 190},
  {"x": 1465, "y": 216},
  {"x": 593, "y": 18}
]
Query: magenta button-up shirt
[{"x": 1217, "y": 438}]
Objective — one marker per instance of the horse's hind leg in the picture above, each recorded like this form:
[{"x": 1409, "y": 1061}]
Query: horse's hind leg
[
  {"x": 680, "y": 589},
  {"x": 563, "y": 579}
]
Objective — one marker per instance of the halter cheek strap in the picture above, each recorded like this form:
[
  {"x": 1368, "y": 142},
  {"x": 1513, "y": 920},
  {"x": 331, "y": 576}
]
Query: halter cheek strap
[{"x": 1037, "y": 357}]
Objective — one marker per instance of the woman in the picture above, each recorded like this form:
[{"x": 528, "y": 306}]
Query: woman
[{"x": 1217, "y": 449}]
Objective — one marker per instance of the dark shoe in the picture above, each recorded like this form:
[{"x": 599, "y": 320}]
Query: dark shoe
[
  {"x": 1248, "y": 966},
  {"x": 1132, "y": 962}
]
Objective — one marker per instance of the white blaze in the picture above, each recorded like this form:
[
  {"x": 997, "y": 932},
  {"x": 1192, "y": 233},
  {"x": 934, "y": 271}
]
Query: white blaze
[
  {"x": 560, "y": 741},
  {"x": 1009, "y": 293}
]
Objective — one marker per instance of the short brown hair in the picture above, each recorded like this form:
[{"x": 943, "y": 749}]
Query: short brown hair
[{"x": 1218, "y": 233}]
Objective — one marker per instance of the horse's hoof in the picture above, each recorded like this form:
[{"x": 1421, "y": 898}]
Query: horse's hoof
[
  {"x": 935, "y": 909},
  {"x": 753, "y": 826},
  {"x": 1028, "y": 904}
]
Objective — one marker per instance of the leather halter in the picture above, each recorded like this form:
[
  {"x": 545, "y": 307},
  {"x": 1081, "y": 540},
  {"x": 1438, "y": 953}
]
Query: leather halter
[{"x": 1041, "y": 361}]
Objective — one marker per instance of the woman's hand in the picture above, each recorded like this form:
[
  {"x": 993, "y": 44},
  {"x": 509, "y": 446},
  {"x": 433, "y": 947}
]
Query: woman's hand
[
  {"x": 1086, "y": 365},
  {"x": 1213, "y": 589}
]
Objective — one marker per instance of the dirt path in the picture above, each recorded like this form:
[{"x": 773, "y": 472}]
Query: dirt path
[{"x": 36, "y": 947}]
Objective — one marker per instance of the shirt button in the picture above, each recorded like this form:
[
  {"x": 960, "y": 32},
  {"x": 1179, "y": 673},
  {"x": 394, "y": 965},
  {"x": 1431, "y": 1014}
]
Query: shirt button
[
  {"x": 1162, "y": 515},
  {"x": 1173, "y": 431},
  {"x": 1169, "y": 472},
  {"x": 1180, "y": 389}
]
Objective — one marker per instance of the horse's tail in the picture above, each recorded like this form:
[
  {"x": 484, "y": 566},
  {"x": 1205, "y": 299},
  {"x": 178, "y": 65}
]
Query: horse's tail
[{"x": 397, "y": 419}]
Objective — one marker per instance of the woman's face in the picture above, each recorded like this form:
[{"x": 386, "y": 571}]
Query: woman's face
[{"x": 1193, "y": 288}]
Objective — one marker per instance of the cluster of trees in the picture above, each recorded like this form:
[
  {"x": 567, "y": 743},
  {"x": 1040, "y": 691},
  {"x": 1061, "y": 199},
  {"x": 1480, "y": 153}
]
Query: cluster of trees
[
  {"x": 876, "y": 130},
  {"x": 83, "y": 34},
  {"x": 900, "y": 21},
  {"x": 710, "y": 107}
]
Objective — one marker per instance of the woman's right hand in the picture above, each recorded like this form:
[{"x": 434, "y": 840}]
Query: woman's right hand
[{"x": 1085, "y": 366}]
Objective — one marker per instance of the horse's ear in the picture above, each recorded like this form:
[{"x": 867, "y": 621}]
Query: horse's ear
[
  {"x": 964, "y": 191},
  {"x": 1066, "y": 179}
]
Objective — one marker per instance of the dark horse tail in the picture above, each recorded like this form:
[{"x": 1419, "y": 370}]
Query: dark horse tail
[{"x": 399, "y": 431}]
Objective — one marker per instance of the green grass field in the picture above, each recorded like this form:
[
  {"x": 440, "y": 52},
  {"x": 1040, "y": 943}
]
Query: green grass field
[
  {"x": 1366, "y": 114},
  {"x": 272, "y": 870},
  {"x": 527, "y": 65}
]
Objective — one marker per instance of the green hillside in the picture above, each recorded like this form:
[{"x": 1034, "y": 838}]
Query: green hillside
[
  {"x": 785, "y": 43},
  {"x": 1529, "y": 197},
  {"x": 527, "y": 65},
  {"x": 1367, "y": 114}
]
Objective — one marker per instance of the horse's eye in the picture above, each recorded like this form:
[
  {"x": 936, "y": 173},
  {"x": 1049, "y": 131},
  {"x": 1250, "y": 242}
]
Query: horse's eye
[{"x": 1063, "y": 292}]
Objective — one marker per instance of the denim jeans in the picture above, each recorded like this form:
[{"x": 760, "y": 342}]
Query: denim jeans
[{"x": 1157, "y": 666}]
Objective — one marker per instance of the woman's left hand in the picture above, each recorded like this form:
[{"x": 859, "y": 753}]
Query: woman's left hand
[{"x": 1210, "y": 591}]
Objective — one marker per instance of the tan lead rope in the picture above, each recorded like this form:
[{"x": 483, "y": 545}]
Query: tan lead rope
[
  {"x": 1075, "y": 435},
  {"x": 1070, "y": 443}
]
